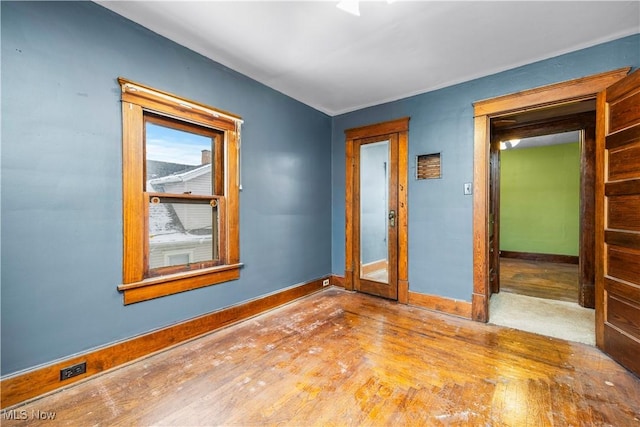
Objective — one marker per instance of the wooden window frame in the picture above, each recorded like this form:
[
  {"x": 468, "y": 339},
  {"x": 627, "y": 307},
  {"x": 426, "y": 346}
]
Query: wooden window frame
[{"x": 138, "y": 100}]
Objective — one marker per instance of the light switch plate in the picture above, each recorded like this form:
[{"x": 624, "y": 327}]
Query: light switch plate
[{"x": 467, "y": 188}]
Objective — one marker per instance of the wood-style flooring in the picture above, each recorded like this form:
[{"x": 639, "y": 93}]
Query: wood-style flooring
[
  {"x": 539, "y": 279},
  {"x": 340, "y": 358}
]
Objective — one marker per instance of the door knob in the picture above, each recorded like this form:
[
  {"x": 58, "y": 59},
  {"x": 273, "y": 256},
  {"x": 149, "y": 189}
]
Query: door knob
[{"x": 392, "y": 218}]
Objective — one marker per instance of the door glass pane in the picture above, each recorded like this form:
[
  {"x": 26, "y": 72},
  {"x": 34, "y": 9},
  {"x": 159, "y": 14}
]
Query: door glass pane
[
  {"x": 178, "y": 162},
  {"x": 182, "y": 233},
  {"x": 374, "y": 211}
]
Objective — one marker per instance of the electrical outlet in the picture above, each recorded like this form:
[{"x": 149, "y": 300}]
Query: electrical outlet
[
  {"x": 73, "y": 371},
  {"x": 325, "y": 282}
]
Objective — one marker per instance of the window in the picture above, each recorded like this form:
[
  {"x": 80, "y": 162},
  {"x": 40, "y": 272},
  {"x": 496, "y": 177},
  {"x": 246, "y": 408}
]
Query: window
[{"x": 180, "y": 194}]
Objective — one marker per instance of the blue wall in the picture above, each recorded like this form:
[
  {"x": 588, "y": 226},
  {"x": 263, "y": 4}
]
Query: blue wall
[
  {"x": 61, "y": 180},
  {"x": 440, "y": 216}
]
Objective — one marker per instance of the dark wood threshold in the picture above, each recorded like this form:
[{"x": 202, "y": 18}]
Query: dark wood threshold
[
  {"x": 529, "y": 256},
  {"x": 27, "y": 385}
]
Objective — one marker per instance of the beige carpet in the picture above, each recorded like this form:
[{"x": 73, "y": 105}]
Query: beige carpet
[{"x": 558, "y": 319}]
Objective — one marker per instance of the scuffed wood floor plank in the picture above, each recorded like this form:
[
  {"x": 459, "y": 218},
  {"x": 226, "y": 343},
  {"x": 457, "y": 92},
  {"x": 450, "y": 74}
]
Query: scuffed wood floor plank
[{"x": 340, "y": 358}]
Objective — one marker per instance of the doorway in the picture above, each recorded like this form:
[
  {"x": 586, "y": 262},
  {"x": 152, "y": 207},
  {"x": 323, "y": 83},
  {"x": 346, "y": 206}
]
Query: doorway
[
  {"x": 541, "y": 198},
  {"x": 376, "y": 210},
  {"x": 539, "y": 189},
  {"x": 538, "y": 99}
]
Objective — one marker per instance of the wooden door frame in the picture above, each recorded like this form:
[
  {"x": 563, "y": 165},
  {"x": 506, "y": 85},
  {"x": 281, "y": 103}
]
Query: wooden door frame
[
  {"x": 400, "y": 127},
  {"x": 585, "y": 88}
]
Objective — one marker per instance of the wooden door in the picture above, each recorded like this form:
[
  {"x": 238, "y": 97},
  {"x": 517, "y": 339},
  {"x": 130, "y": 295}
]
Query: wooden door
[
  {"x": 356, "y": 272},
  {"x": 618, "y": 222},
  {"x": 376, "y": 215},
  {"x": 494, "y": 216}
]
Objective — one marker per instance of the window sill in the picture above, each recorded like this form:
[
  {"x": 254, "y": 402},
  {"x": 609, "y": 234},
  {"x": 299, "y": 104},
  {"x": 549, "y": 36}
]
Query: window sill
[{"x": 157, "y": 287}]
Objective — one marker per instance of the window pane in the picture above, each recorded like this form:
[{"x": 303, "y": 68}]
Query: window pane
[
  {"x": 182, "y": 233},
  {"x": 178, "y": 162}
]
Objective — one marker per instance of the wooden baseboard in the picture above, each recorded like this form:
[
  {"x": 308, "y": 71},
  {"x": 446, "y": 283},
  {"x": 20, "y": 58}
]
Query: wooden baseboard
[
  {"x": 441, "y": 304},
  {"x": 23, "y": 386},
  {"x": 529, "y": 256},
  {"x": 337, "y": 280}
]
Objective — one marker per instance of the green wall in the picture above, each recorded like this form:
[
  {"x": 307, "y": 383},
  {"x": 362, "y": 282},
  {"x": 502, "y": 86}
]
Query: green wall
[{"x": 540, "y": 199}]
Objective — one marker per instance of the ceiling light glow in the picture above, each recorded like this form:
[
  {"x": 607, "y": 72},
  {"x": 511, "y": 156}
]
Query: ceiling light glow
[{"x": 505, "y": 145}]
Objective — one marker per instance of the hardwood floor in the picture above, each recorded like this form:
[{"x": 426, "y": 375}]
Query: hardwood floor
[
  {"x": 539, "y": 279},
  {"x": 340, "y": 358}
]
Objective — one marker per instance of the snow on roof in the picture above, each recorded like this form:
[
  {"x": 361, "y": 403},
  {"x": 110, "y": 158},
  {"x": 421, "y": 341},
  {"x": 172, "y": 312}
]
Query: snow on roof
[{"x": 184, "y": 176}]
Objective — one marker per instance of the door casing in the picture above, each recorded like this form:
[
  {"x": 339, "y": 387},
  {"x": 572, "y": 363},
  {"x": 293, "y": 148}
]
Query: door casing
[
  {"x": 399, "y": 129},
  {"x": 585, "y": 88}
]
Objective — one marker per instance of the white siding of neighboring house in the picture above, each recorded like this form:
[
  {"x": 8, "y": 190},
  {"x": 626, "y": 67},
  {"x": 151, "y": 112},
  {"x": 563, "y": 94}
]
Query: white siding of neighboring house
[{"x": 200, "y": 250}]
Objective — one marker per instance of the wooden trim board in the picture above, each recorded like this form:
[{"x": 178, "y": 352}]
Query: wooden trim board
[
  {"x": 442, "y": 304},
  {"x": 23, "y": 386},
  {"x": 563, "y": 259}
]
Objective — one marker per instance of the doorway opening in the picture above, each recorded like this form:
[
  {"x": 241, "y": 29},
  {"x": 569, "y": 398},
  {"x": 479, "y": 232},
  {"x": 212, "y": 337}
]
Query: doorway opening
[
  {"x": 539, "y": 198},
  {"x": 547, "y": 197},
  {"x": 542, "y": 194}
]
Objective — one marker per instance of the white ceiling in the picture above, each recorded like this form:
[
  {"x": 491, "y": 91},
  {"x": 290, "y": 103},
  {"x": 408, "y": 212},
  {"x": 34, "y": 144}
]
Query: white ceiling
[{"x": 337, "y": 62}]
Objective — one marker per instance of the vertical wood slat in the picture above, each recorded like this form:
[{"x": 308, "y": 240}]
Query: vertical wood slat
[
  {"x": 393, "y": 233},
  {"x": 586, "y": 259},
  {"x": 480, "y": 298},
  {"x": 403, "y": 218},
  {"x": 494, "y": 216},
  {"x": 133, "y": 203},
  {"x": 232, "y": 209},
  {"x": 357, "y": 237},
  {"x": 600, "y": 221},
  {"x": 348, "y": 205}
]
